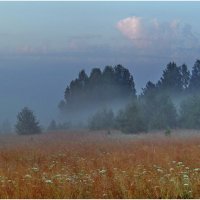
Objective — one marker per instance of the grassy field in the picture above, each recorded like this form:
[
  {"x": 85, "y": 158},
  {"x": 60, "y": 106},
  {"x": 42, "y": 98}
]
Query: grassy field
[{"x": 95, "y": 165}]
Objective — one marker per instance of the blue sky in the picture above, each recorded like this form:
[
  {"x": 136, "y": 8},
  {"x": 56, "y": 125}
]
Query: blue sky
[
  {"x": 43, "y": 45},
  {"x": 52, "y": 25}
]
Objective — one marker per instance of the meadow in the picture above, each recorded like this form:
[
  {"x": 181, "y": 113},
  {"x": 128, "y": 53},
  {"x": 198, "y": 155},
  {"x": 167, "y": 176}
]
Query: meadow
[{"x": 81, "y": 164}]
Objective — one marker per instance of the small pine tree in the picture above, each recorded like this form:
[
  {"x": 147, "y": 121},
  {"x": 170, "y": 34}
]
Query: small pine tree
[
  {"x": 131, "y": 119},
  {"x": 27, "y": 123},
  {"x": 168, "y": 132}
]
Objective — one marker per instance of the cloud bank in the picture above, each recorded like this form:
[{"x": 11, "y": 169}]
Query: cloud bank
[{"x": 157, "y": 35}]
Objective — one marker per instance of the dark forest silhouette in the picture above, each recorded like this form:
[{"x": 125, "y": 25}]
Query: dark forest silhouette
[
  {"x": 170, "y": 103},
  {"x": 98, "y": 88}
]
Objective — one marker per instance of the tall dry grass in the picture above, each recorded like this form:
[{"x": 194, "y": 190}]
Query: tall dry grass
[{"x": 96, "y": 165}]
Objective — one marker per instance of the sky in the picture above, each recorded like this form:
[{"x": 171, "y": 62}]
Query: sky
[{"x": 43, "y": 46}]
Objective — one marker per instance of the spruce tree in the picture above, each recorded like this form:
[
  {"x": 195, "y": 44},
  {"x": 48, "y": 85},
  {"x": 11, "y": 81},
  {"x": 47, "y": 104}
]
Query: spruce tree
[{"x": 27, "y": 123}]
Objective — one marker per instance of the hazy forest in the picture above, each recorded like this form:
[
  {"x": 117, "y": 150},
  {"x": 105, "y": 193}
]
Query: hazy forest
[{"x": 107, "y": 100}]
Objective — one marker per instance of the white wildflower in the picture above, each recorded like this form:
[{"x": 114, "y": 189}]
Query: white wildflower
[
  {"x": 27, "y": 176},
  {"x": 51, "y": 166},
  {"x": 171, "y": 169},
  {"x": 187, "y": 168},
  {"x": 68, "y": 179},
  {"x": 185, "y": 177},
  {"x": 48, "y": 181},
  {"x": 102, "y": 171},
  {"x": 144, "y": 172},
  {"x": 35, "y": 169},
  {"x": 160, "y": 170}
]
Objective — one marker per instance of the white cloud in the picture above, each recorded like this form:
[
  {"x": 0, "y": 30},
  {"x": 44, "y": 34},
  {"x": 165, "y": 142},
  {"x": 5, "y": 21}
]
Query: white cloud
[
  {"x": 130, "y": 27},
  {"x": 155, "y": 35}
]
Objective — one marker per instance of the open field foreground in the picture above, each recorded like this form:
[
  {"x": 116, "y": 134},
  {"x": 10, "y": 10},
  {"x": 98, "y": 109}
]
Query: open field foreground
[{"x": 89, "y": 165}]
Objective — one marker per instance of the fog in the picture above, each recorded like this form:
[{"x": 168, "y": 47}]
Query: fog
[{"x": 40, "y": 85}]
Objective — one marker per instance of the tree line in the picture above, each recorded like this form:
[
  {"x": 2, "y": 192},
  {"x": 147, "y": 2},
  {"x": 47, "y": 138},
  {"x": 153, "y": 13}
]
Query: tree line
[
  {"x": 98, "y": 89},
  {"x": 172, "y": 102}
]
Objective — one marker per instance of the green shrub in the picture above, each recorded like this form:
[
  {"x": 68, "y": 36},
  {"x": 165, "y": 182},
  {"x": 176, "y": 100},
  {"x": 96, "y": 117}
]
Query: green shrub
[
  {"x": 190, "y": 113},
  {"x": 131, "y": 119},
  {"x": 168, "y": 132},
  {"x": 103, "y": 119}
]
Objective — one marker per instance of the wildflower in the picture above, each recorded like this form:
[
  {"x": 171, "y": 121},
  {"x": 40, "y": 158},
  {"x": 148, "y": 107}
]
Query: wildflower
[
  {"x": 57, "y": 176},
  {"x": 35, "y": 169},
  {"x": 102, "y": 171},
  {"x": 186, "y": 184},
  {"x": 171, "y": 169},
  {"x": 160, "y": 170},
  {"x": 68, "y": 179},
  {"x": 174, "y": 161},
  {"x": 187, "y": 168},
  {"x": 197, "y": 169},
  {"x": 185, "y": 177},
  {"x": 180, "y": 163},
  {"x": 167, "y": 175},
  {"x": 27, "y": 176},
  {"x": 48, "y": 181},
  {"x": 172, "y": 180},
  {"x": 51, "y": 166}
]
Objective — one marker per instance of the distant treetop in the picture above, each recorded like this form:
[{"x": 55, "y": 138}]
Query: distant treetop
[{"x": 100, "y": 87}]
